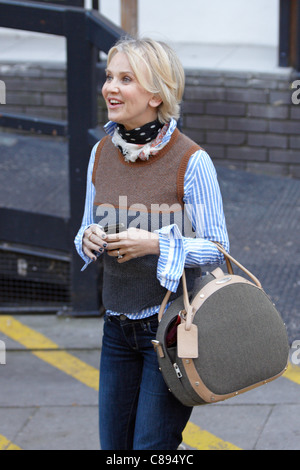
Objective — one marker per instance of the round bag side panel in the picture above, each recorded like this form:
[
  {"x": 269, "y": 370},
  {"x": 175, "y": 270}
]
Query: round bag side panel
[{"x": 242, "y": 339}]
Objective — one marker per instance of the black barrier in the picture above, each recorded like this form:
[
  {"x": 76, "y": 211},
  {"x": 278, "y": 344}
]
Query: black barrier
[
  {"x": 289, "y": 34},
  {"x": 70, "y": 3},
  {"x": 87, "y": 32}
]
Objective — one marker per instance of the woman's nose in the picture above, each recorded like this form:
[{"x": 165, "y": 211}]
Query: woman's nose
[{"x": 112, "y": 86}]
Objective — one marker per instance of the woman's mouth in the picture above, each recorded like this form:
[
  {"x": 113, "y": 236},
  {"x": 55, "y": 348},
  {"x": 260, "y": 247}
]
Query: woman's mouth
[{"x": 113, "y": 103}]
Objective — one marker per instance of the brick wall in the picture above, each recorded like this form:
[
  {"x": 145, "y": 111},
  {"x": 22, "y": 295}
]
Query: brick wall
[
  {"x": 35, "y": 90},
  {"x": 243, "y": 120}
]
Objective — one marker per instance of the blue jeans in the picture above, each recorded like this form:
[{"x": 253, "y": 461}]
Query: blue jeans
[{"x": 136, "y": 409}]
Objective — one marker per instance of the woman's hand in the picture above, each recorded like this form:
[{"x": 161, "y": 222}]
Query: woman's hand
[
  {"x": 133, "y": 243},
  {"x": 94, "y": 239}
]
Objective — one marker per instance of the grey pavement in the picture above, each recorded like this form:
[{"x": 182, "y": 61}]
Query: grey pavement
[{"x": 42, "y": 408}]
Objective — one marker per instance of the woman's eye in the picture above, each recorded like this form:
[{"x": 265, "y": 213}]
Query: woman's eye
[{"x": 124, "y": 79}]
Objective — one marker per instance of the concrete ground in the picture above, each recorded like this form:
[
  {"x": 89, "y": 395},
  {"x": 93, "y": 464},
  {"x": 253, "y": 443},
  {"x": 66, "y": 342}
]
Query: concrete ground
[{"x": 44, "y": 408}]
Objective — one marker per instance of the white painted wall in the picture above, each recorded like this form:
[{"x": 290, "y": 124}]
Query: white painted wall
[
  {"x": 242, "y": 22},
  {"x": 221, "y": 22}
]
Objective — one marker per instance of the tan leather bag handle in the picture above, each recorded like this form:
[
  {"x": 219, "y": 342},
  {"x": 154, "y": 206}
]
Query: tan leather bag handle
[
  {"x": 230, "y": 258},
  {"x": 187, "y": 306}
]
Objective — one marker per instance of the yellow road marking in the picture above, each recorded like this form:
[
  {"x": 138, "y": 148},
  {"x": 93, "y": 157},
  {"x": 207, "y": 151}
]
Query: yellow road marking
[
  {"x": 199, "y": 439},
  {"x": 5, "y": 444},
  {"x": 293, "y": 373},
  {"x": 48, "y": 351}
]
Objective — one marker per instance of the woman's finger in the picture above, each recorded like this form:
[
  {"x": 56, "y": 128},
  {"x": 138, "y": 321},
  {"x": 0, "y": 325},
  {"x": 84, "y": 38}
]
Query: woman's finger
[
  {"x": 114, "y": 253},
  {"x": 114, "y": 237},
  {"x": 93, "y": 241},
  {"x": 114, "y": 245},
  {"x": 95, "y": 236},
  {"x": 89, "y": 253}
]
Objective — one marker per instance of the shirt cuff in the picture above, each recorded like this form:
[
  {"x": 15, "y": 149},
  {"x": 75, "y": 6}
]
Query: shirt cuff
[
  {"x": 172, "y": 257},
  {"x": 78, "y": 245},
  {"x": 86, "y": 264}
]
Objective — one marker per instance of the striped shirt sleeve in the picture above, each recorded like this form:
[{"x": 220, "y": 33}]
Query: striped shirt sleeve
[
  {"x": 204, "y": 206},
  {"x": 88, "y": 217}
]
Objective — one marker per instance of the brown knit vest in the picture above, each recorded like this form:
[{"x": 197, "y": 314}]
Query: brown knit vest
[
  {"x": 133, "y": 286},
  {"x": 159, "y": 180}
]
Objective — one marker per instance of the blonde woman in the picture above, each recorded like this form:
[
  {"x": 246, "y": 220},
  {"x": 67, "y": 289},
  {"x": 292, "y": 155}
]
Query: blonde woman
[{"x": 162, "y": 188}]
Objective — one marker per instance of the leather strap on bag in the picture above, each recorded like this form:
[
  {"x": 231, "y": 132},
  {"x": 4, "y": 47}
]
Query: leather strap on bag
[
  {"x": 190, "y": 311},
  {"x": 230, "y": 258}
]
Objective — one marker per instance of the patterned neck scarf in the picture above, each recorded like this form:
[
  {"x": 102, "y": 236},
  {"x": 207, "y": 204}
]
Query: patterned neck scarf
[
  {"x": 140, "y": 135},
  {"x": 143, "y": 150}
]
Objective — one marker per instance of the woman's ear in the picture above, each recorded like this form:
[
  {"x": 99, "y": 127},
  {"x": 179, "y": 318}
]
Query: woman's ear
[{"x": 155, "y": 101}]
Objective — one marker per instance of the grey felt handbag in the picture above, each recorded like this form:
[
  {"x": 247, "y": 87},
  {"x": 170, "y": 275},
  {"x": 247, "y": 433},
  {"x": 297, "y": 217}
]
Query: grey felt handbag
[{"x": 224, "y": 338}]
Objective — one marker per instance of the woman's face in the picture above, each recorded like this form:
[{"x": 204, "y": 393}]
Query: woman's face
[{"x": 128, "y": 103}]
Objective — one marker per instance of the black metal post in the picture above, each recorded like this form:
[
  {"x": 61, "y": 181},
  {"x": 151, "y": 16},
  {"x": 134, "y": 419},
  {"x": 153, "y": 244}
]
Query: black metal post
[
  {"x": 289, "y": 34},
  {"x": 297, "y": 38},
  {"x": 82, "y": 115},
  {"x": 284, "y": 33},
  {"x": 69, "y": 3}
]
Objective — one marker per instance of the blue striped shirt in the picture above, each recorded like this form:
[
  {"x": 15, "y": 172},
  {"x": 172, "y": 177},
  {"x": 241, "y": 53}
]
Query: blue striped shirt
[{"x": 203, "y": 201}]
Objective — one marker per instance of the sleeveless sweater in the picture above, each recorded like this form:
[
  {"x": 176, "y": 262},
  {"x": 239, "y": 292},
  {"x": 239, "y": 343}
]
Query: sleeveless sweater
[{"x": 144, "y": 194}]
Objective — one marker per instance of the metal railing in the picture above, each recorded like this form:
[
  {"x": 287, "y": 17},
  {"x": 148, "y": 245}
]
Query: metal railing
[
  {"x": 70, "y": 3},
  {"x": 87, "y": 32},
  {"x": 289, "y": 34}
]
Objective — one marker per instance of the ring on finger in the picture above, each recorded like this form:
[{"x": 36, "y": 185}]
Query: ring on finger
[{"x": 119, "y": 256}]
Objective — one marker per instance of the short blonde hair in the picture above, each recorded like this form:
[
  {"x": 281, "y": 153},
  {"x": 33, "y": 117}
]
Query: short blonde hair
[{"x": 164, "y": 75}]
